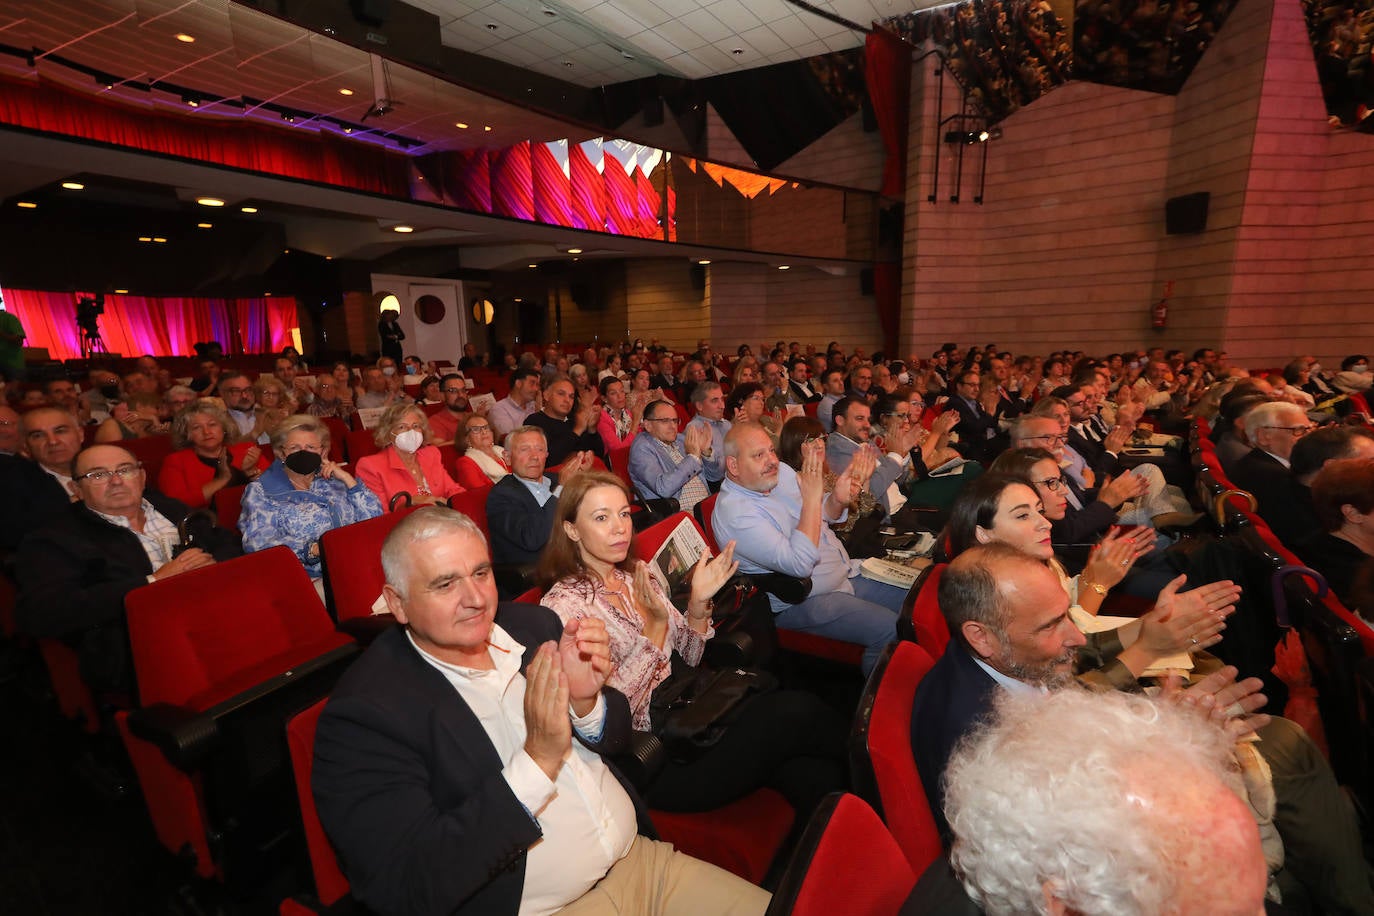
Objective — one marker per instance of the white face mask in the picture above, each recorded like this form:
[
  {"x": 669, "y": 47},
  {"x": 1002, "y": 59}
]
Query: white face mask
[
  {"x": 410, "y": 441},
  {"x": 388, "y": 370},
  {"x": 1362, "y": 368}
]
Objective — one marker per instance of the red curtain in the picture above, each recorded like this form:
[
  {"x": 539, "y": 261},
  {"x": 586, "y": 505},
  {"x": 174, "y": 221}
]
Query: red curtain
[
  {"x": 135, "y": 325},
  {"x": 887, "y": 71}
]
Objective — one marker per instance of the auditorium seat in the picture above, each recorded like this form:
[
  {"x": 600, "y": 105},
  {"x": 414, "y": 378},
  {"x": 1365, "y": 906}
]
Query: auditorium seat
[
  {"x": 74, "y": 699},
  {"x": 703, "y": 511},
  {"x": 151, "y": 451},
  {"x": 473, "y": 504},
  {"x": 351, "y": 558},
  {"x": 338, "y": 438},
  {"x": 620, "y": 464},
  {"x": 845, "y": 863},
  {"x": 361, "y": 443},
  {"x": 228, "y": 505},
  {"x": 223, "y": 656},
  {"x": 881, "y": 764},
  {"x": 921, "y": 620},
  {"x": 330, "y": 884}
]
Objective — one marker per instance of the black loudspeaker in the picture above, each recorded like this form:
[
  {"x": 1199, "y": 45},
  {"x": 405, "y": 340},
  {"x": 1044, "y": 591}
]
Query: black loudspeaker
[
  {"x": 866, "y": 281},
  {"x": 698, "y": 275},
  {"x": 1187, "y": 215}
]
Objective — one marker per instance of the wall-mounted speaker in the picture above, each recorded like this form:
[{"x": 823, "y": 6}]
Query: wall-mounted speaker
[
  {"x": 1187, "y": 214},
  {"x": 698, "y": 276}
]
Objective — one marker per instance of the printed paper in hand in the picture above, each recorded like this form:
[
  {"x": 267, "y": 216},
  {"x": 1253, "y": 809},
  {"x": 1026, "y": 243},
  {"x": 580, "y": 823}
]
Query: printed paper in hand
[
  {"x": 679, "y": 553},
  {"x": 370, "y": 416},
  {"x": 483, "y": 401}
]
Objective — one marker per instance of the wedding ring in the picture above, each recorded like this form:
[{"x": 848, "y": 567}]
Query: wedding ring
[{"x": 1193, "y": 640}]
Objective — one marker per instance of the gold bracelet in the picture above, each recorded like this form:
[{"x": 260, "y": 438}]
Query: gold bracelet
[{"x": 1097, "y": 587}]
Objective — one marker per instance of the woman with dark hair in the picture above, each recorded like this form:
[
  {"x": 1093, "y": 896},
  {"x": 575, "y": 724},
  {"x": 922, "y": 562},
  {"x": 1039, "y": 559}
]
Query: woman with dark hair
[
  {"x": 619, "y": 420},
  {"x": 786, "y": 739},
  {"x": 745, "y": 404},
  {"x": 796, "y": 433},
  {"x": 1343, "y": 496}
]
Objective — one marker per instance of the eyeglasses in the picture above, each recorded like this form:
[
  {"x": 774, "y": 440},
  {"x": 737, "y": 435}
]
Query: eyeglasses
[
  {"x": 317, "y": 449},
  {"x": 660, "y": 419},
  {"x": 1296, "y": 431},
  {"x": 1053, "y": 484},
  {"x": 1056, "y": 440},
  {"x": 101, "y": 475},
  {"x": 453, "y": 390},
  {"x": 236, "y": 390},
  {"x": 478, "y": 429}
]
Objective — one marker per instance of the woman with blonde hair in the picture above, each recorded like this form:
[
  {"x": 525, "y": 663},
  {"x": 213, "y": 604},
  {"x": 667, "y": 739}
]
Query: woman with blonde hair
[
  {"x": 208, "y": 456},
  {"x": 408, "y": 461},
  {"x": 274, "y": 404}
]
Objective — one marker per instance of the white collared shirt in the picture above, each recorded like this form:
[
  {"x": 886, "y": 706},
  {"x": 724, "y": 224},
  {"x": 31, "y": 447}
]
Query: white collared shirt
[
  {"x": 1283, "y": 461},
  {"x": 158, "y": 538},
  {"x": 63, "y": 479},
  {"x": 587, "y": 819}
]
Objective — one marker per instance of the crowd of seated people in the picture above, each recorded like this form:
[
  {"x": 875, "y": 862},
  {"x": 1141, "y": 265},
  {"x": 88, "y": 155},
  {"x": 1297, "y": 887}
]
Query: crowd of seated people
[{"x": 797, "y": 501}]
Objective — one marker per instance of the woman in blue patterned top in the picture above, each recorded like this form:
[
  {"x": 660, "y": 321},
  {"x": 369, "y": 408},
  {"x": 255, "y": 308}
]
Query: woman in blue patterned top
[{"x": 302, "y": 495}]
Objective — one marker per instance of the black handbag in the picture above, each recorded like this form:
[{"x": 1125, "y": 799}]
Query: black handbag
[{"x": 690, "y": 711}]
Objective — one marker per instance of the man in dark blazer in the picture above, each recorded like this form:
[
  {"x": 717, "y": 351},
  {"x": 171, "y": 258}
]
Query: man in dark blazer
[
  {"x": 33, "y": 490},
  {"x": 1265, "y": 471},
  {"x": 977, "y": 429},
  {"x": 1010, "y": 630},
  {"x": 74, "y": 572},
  {"x": 445, "y": 771},
  {"x": 521, "y": 505}
]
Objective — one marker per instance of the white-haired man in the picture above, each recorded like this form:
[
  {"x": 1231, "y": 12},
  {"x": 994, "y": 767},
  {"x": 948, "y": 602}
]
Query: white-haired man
[
  {"x": 1265, "y": 471},
  {"x": 446, "y": 770}
]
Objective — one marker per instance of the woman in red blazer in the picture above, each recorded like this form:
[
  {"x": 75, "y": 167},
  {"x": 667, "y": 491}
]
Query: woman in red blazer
[
  {"x": 407, "y": 463},
  {"x": 207, "y": 459},
  {"x": 484, "y": 462}
]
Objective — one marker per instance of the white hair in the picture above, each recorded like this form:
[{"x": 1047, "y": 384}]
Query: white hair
[
  {"x": 421, "y": 525},
  {"x": 1052, "y": 792},
  {"x": 1269, "y": 414}
]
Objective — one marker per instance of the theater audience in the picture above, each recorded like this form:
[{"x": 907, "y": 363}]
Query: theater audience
[
  {"x": 523, "y": 400},
  {"x": 1354, "y": 377},
  {"x": 666, "y": 464},
  {"x": 445, "y": 423},
  {"x": 63, "y": 394},
  {"x": 1265, "y": 471},
  {"x": 10, "y": 437},
  {"x": 483, "y": 462},
  {"x": 854, "y": 432},
  {"x": 74, "y": 571},
  {"x": 376, "y": 389},
  {"x": 302, "y": 495},
  {"x": 619, "y": 420},
  {"x": 208, "y": 456},
  {"x": 569, "y": 420},
  {"x": 977, "y": 429},
  {"x": 328, "y": 402},
  {"x": 239, "y": 399},
  {"x": 833, "y": 388},
  {"x": 423, "y": 761},
  {"x": 274, "y": 404},
  {"x": 787, "y": 740},
  {"x": 521, "y": 505},
  {"x": 408, "y": 461},
  {"x": 36, "y": 487},
  {"x": 176, "y": 399}
]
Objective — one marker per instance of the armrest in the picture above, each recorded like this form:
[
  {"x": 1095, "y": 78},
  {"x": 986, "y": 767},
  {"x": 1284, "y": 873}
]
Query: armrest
[
  {"x": 788, "y": 589},
  {"x": 733, "y": 649},
  {"x": 366, "y": 629},
  {"x": 183, "y": 736},
  {"x": 643, "y": 760}
]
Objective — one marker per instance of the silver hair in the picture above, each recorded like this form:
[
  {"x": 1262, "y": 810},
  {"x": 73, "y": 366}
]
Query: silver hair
[
  {"x": 1020, "y": 427},
  {"x": 385, "y": 433},
  {"x": 178, "y": 391},
  {"x": 299, "y": 421},
  {"x": 1269, "y": 414},
  {"x": 525, "y": 431},
  {"x": 422, "y": 525},
  {"x": 1051, "y": 792}
]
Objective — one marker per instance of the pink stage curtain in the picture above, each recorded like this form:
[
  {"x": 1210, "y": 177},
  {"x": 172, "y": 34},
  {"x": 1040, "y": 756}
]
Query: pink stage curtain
[
  {"x": 135, "y": 325},
  {"x": 512, "y": 184},
  {"x": 588, "y": 190},
  {"x": 887, "y": 71}
]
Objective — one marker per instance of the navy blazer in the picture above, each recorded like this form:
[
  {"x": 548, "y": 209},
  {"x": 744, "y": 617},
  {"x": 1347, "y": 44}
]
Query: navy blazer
[
  {"x": 1283, "y": 502},
  {"x": 409, "y": 786},
  {"x": 951, "y": 699},
  {"x": 518, "y": 525},
  {"x": 29, "y": 496}
]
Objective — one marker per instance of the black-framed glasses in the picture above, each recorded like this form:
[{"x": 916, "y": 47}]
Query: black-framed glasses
[
  {"x": 101, "y": 475},
  {"x": 1053, "y": 484},
  {"x": 1054, "y": 440},
  {"x": 1295, "y": 431},
  {"x": 674, "y": 418}
]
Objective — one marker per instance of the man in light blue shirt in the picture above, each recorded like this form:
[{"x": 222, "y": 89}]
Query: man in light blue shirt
[
  {"x": 778, "y": 518},
  {"x": 832, "y": 383},
  {"x": 709, "y": 401}
]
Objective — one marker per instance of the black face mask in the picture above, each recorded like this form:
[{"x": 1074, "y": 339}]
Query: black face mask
[
  {"x": 303, "y": 463},
  {"x": 110, "y": 391}
]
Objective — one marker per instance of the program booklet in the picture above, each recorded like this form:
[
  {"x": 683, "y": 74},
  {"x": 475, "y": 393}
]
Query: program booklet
[
  {"x": 486, "y": 401},
  {"x": 675, "y": 559}
]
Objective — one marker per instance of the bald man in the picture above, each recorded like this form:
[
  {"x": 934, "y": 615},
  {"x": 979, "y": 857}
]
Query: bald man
[{"x": 75, "y": 570}]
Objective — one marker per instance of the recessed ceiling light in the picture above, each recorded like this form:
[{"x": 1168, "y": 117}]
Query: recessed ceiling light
[
  {"x": 347, "y": 129},
  {"x": 627, "y": 55},
  {"x": 574, "y": 251},
  {"x": 704, "y": 261},
  {"x": 121, "y": 291},
  {"x": 402, "y": 229},
  {"x": 205, "y": 225},
  {"x": 737, "y": 51},
  {"x": 531, "y": 265},
  {"x": 159, "y": 239},
  {"x": 188, "y": 39},
  {"x": 345, "y": 91},
  {"x": 329, "y": 257},
  {"x": 145, "y": 238},
  {"x": 209, "y": 201},
  {"x": 248, "y": 209},
  {"x": 518, "y": 299},
  {"x": 784, "y": 267},
  {"x": 73, "y": 186},
  {"x": 488, "y": 127},
  {"x": 492, "y": 27},
  {"x": 567, "y": 63},
  {"x": 191, "y": 100},
  {"x": 27, "y": 205},
  {"x": 549, "y": 12},
  {"x": 460, "y": 125}
]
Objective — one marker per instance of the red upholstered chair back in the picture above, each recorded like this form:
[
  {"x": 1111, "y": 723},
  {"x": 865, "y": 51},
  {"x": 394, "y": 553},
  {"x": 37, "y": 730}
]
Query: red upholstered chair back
[
  {"x": 530, "y": 597},
  {"x": 932, "y": 633},
  {"x": 704, "y": 510},
  {"x": 360, "y": 445},
  {"x": 330, "y": 883},
  {"x": 151, "y": 451},
  {"x": 905, "y": 807},
  {"x": 338, "y": 437},
  {"x": 847, "y": 862},
  {"x": 473, "y": 504},
  {"x": 650, "y": 539},
  {"x": 228, "y": 506},
  {"x": 206, "y": 635},
  {"x": 620, "y": 464},
  {"x": 352, "y": 559}
]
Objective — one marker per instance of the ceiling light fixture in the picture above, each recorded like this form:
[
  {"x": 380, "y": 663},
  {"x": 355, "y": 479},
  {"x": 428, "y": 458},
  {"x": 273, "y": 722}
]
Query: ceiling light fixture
[
  {"x": 574, "y": 251},
  {"x": 527, "y": 265},
  {"x": 737, "y": 51},
  {"x": 159, "y": 239},
  {"x": 704, "y": 261},
  {"x": 288, "y": 117},
  {"x": 403, "y": 229},
  {"x": 209, "y": 201},
  {"x": 784, "y": 267},
  {"x": 248, "y": 209},
  {"x": 145, "y": 238},
  {"x": 73, "y": 186},
  {"x": 347, "y": 129},
  {"x": 27, "y": 205},
  {"x": 492, "y": 27},
  {"x": 567, "y": 63},
  {"x": 121, "y": 292},
  {"x": 460, "y": 125},
  {"x": 487, "y": 128},
  {"x": 204, "y": 225},
  {"x": 345, "y": 91},
  {"x": 187, "y": 39},
  {"x": 191, "y": 100}
]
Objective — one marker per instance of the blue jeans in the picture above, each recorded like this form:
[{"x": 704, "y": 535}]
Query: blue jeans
[{"x": 867, "y": 617}]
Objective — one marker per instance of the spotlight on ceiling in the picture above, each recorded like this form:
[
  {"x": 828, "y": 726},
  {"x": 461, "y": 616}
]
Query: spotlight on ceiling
[
  {"x": 209, "y": 201},
  {"x": 402, "y": 229},
  {"x": 73, "y": 186}
]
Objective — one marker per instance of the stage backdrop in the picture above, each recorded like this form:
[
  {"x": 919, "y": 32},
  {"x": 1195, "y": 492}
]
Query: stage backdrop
[{"x": 135, "y": 325}]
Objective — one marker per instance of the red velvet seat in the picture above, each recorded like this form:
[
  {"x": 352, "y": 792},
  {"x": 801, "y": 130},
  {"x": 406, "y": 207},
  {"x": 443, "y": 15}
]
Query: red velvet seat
[
  {"x": 473, "y": 504},
  {"x": 846, "y": 863},
  {"x": 620, "y": 464},
  {"x": 351, "y": 558},
  {"x": 927, "y": 621},
  {"x": 152, "y": 451},
  {"x": 338, "y": 438},
  {"x": 74, "y": 698},
  {"x": 330, "y": 883},
  {"x": 360, "y": 443},
  {"x": 214, "y": 651},
  {"x": 881, "y": 762},
  {"x": 703, "y": 511},
  {"x": 228, "y": 506}
]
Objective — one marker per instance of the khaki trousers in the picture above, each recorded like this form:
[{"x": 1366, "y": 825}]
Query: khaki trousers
[{"x": 654, "y": 879}]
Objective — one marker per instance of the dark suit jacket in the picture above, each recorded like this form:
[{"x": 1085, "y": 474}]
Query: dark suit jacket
[
  {"x": 563, "y": 441},
  {"x": 74, "y": 572},
  {"x": 950, "y": 700},
  {"x": 974, "y": 426},
  {"x": 409, "y": 786},
  {"x": 519, "y": 526},
  {"x": 666, "y": 382},
  {"x": 800, "y": 396},
  {"x": 29, "y": 496},
  {"x": 1083, "y": 526},
  {"x": 1284, "y": 503}
]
